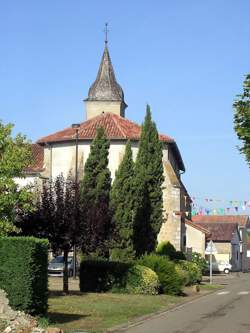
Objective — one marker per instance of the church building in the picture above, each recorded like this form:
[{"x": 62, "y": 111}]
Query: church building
[{"x": 105, "y": 107}]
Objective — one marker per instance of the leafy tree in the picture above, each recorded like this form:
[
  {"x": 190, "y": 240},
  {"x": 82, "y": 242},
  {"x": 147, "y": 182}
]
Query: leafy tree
[
  {"x": 95, "y": 193},
  {"x": 15, "y": 156},
  {"x": 148, "y": 184},
  {"x": 122, "y": 205},
  {"x": 242, "y": 118},
  {"x": 58, "y": 218}
]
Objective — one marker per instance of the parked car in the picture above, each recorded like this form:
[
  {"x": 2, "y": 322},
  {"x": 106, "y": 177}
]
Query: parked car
[
  {"x": 55, "y": 267},
  {"x": 221, "y": 266}
]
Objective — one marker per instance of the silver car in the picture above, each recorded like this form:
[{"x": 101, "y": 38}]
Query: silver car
[{"x": 56, "y": 265}]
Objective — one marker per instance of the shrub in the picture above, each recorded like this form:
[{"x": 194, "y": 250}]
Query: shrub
[
  {"x": 183, "y": 274},
  {"x": 200, "y": 261},
  {"x": 23, "y": 273},
  {"x": 179, "y": 255},
  {"x": 170, "y": 281},
  {"x": 167, "y": 249},
  {"x": 101, "y": 276},
  {"x": 194, "y": 272},
  {"x": 142, "y": 280}
]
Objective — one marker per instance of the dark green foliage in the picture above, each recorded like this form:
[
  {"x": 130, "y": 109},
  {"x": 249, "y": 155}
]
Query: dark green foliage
[
  {"x": 242, "y": 118},
  {"x": 179, "y": 255},
  {"x": 95, "y": 192},
  {"x": 170, "y": 280},
  {"x": 122, "y": 204},
  {"x": 23, "y": 273},
  {"x": 193, "y": 270},
  {"x": 102, "y": 275},
  {"x": 200, "y": 261},
  {"x": 148, "y": 213},
  {"x": 167, "y": 249}
]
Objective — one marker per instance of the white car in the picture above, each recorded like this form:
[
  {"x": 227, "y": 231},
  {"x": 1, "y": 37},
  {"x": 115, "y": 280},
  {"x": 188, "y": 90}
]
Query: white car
[{"x": 221, "y": 266}]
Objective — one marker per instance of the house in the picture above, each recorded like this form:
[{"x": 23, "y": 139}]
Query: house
[
  {"x": 229, "y": 233},
  {"x": 105, "y": 107},
  {"x": 194, "y": 237}
]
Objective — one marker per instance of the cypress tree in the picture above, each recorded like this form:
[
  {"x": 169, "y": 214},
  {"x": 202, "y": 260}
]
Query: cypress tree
[
  {"x": 122, "y": 202},
  {"x": 148, "y": 184},
  {"x": 95, "y": 192}
]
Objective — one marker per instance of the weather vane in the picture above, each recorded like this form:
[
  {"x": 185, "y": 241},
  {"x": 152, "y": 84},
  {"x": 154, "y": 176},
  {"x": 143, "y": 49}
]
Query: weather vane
[{"x": 106, "y": 33}]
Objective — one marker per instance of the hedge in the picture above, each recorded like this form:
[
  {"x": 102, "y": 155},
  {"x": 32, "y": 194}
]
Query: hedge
[
  {"x": 102, "y": 275},
  {"x": 23, "y": 273},
  {"x": 170, "y": 281}
]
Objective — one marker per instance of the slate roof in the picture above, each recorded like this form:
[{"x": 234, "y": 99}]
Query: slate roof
[
  {"x": 242, "y": 220},
  {"x": 105, "y": 87},
  {"x": 219, "y": 231}
]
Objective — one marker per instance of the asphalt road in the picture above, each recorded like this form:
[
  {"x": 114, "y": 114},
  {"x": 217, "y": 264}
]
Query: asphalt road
[{"x": 225, "y": 311}]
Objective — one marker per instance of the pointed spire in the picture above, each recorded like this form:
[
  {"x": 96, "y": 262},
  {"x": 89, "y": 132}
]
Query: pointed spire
[{"x": 105, "y": 87}]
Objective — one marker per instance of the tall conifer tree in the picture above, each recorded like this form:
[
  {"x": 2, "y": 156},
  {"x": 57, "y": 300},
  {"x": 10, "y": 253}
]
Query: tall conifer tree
[
  {"x": 148, "y": 184},
  {"x": 95, "y": 192},
  {"x": 122, "y": 204}
]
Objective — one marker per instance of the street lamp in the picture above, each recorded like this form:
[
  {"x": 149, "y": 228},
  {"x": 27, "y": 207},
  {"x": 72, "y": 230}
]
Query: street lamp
[{"x": 76, "y": 127}]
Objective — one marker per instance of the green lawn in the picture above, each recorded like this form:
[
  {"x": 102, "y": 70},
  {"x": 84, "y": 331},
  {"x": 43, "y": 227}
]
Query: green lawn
[
  {"x": 96, "y": 312},
  {"x": 92, "y": 312}
]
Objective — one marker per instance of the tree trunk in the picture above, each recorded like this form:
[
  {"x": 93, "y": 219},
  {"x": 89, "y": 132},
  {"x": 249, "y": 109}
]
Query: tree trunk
[{"x": 65, "y": 273}]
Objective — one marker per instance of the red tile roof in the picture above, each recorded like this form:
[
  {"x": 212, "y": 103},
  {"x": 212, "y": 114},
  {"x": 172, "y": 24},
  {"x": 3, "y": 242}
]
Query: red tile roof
[
  {"x": 197, "y": 226},
  {"x": 219, "y": 231},
  {"x": 38, "y": 158},
  {"x": 115, "y": 127},
  {"x": 242, "y": 220}
]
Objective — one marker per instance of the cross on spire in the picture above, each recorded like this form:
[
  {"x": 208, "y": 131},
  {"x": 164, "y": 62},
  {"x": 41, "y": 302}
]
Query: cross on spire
[{"x": 106, "y": 33}]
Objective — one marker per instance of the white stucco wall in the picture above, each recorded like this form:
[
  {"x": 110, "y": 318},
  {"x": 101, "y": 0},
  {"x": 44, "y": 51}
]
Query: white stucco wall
[
  {"x": 195, "y": 239},
  {"x": 63, "y": 157}
]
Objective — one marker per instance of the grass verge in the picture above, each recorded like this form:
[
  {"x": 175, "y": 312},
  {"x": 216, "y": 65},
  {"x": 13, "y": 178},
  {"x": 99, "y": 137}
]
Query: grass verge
[
  {"x": 92, "y": 312},
  {"x": 96, "y": 312}
]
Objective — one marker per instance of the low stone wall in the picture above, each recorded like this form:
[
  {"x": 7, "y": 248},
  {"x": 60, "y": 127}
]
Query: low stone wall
[{"x": 16, "y": 321}]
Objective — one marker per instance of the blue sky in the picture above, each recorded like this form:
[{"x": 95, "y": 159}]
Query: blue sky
[{"x": 187, "y": 59}]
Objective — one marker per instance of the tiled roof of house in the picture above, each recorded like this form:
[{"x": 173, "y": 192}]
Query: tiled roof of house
[
  {"x": 197, "y": 226},
  {"x": 219, "y": 231},
  {"x": 38, "y": 159},
  {"x": 115, "y": 127},
  {"x": 242, "y": 220}
]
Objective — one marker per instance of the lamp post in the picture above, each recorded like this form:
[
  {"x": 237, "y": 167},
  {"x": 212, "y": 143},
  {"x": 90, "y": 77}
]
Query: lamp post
[{"x": 76, "y": 127}]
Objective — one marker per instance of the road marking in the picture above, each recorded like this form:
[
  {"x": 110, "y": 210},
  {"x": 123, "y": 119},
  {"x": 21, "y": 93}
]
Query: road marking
[
  {"x": 223, "y": 293},
  {"x": 243, "y": 293}
]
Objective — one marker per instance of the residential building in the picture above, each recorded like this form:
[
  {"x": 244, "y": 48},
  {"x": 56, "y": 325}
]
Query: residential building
[{"x": 229, "y": 232}]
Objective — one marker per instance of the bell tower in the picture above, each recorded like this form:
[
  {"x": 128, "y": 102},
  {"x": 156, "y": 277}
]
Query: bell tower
[{"x": 105, "y": 94}]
